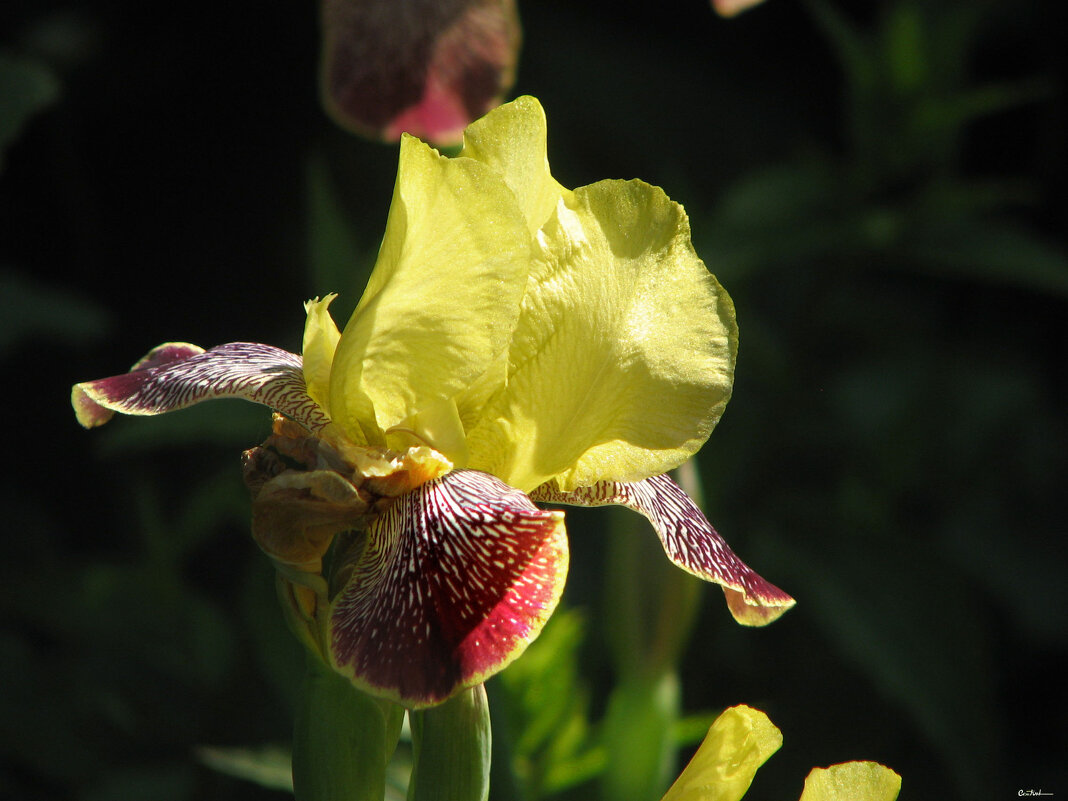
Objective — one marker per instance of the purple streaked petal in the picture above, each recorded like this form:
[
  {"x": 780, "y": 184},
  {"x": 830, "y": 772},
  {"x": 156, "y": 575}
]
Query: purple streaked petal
[
  {"x": 177, "y": 374},
  {"x": 689, "y": 540},
  {"x": 455, "y": 579}
]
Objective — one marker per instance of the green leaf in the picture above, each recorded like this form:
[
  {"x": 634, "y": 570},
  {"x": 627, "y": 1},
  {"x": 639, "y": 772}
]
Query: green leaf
[
  {"x": 543, "y": 684},
  {"x": 162, "y": 783},
  {"x": 26, "y": 87},
  {"x": 638, "y": 728},
  {"x": 32, "y": 311},
  {"x": 905, "y": 48},
  {"x": 648, "y": 630},
  {"x": 992, "y": 251},
  {"x": 691, "y": 729},
  {"x": 544, "y": 712},
  {"x": 270, "y": 766},
  {"x": 983, "y": 101}
]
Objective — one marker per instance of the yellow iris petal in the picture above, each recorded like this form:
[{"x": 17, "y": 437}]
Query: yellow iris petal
[
  {"x": 442, "y": 300},
  {"x": 739, "y": 742},
  {"x": 511, "y": 140},
  {"x": 623, "y": 357},
  {"x": 320, "y": 341},
  {"x": 852, "y": 781},
  {"x": 437, "y": 423}
]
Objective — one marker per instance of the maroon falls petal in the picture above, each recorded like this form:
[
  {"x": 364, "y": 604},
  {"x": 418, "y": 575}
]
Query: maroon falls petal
[
  {"x": 451, "y": 584},
  {"x": 177, "y": 375},
  {"x": 689, "y": 540},
  {"x": 428, "y": 67}
]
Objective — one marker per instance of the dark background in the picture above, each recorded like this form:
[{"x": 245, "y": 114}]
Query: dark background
[{"x": 886, "y": 203}]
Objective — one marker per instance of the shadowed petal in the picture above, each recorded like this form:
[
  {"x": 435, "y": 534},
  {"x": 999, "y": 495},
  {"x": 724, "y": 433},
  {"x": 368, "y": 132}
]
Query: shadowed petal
[
  {"x": 452, "y": 583},
  {"x": 689, "y": 540},
  {"x": 425, "y": 67},
  {"x": 177, "y": 374}
]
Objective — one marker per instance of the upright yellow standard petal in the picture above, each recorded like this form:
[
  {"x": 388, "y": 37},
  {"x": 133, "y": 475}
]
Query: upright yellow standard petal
[
  {"x": 443, "y": 298},
  {"x": 852, "y": 781},
  {"x": 739, "y": 742},
  {"x": 511, "y": 140},
  {"x": 320, "y": 341},
  {"x": 623, "y": 358}
]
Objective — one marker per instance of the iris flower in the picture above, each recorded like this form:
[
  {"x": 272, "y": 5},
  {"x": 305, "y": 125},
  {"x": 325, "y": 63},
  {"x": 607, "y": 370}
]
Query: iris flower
[{"x": 517, "y": 343}]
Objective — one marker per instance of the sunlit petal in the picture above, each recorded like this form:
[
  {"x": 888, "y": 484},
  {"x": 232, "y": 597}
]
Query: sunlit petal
[
  {"x": 442, "y": 301},
  {"x": 739, "y": 742},
  {"x": 177, "y": 375},
  {"x": 689, "y": 540},
  {"x": 623, "y": 357},
  {"x": 852, "y": 781},
  {"x": 511, "y": 139},
  {"x": 448, "y": 587}
]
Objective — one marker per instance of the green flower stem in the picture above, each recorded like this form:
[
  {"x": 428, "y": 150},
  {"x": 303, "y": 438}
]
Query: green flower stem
[
  {"x": 654, "y": 606},
  {"x": 638, "y": 736},
  {"x": 643, "y": 707},
  {"x": 452, "y": 749},
  {"x": 342, "y": 740},
  {"x": 680, "y": 593}
]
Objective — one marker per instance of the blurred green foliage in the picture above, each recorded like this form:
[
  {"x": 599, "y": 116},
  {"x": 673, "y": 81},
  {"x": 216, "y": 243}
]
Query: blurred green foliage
[{"x": 881, "y": 187}]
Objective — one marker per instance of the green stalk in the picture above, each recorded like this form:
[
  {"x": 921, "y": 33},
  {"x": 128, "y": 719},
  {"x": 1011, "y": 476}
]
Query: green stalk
[
  {"x": 451, "y": 746},
  {"x": 342, "y": 740},
  {"x": 641, "y": 749},
  {"x": 653, "y": 606}
]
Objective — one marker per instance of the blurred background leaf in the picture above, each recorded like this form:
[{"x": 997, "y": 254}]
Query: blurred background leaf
[
  {"x": 31, "y": 311},
  {"x": 26, "y": 87}
]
